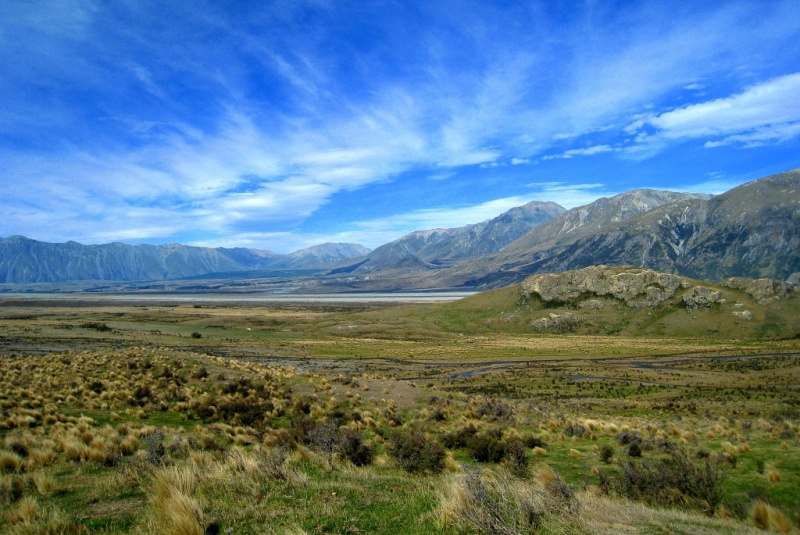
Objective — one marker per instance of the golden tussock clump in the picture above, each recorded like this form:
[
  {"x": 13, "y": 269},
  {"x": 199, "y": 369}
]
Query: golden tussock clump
[
  {"x": 25, "y": 511},
  {"x": 772, "y": 474},
  {"x": 9, "y": 462},
  {"x": 766, "y": 516},
  {"x": 178, "y": 515},
  {"x": 45, "y": 483}
]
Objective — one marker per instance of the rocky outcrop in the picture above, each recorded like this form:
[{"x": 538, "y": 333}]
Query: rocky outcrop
[
  {"x": 635, "y": 287},
  {"x": 762, "y": 290},
  {"x": 559, "y": 323},
  {"x": 700, "y": 296}
]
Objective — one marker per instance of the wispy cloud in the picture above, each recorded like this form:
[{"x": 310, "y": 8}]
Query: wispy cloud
[
  {"x": 571, "y": 153},
  {"x": 763, "y": 113},
  {"x": 133, "y": 123}
]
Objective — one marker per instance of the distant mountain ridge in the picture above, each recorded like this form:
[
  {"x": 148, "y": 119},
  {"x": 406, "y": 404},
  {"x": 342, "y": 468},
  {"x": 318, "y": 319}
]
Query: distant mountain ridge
[
  {"x": 502, "y": 265},
  {"x": 750, "y": 231},
  {"x": 437, "y": 247},
  {"x": 23, "y": 260}
]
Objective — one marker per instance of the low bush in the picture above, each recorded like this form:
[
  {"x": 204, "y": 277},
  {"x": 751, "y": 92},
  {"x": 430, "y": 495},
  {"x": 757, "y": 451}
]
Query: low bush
[
  {"x": 675, "y": 480},
  {"x": 415, "y": 452},
  {"x": 353, "y": 448}
]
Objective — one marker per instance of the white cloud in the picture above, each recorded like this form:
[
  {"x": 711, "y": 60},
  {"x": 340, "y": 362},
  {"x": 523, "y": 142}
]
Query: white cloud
[
  {"x": 588, "y": 151},
  {"x": 765, "y": 113},
  {"x": 256, "y": 163}
]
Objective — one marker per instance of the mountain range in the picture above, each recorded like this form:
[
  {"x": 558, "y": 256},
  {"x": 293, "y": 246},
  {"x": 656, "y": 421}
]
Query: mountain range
[
  {"x": 23, "y": 260},
  {"x": 750, "y": 231}
]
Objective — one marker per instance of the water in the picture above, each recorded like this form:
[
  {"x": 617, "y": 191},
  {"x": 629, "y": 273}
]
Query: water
[{"x": 405, "y": 297}]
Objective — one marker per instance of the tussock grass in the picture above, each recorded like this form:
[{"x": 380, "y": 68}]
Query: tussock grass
[{"x": 767, "y": 517}]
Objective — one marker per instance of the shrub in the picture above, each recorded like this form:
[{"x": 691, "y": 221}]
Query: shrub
[
  {"x": 485, "y": 448},
  {"x": 354, "y": 449},
  {"x": 606, "y": 453},
  {"x": 495, "y": 410},
  {"x": 672, "y": 480},
  {"x": 516, "y": 458},
  {"x": 460, "y": 438},
  {"x": 323, "y": 438},
  {"x": 196, "y": 335},
  {"x": 533, "y": 441},
  {"x": 200, "y": 373},
  {"x": 575, "y": 430},
  {"x": 415, "y": 452}
]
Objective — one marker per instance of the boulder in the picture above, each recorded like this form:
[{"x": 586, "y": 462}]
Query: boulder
[
  {"x": 565, "y": 322},
  {"x": 700, "y": 296}
]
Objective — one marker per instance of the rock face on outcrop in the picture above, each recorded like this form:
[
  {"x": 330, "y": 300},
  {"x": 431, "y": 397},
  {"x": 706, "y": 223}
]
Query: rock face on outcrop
[
  {"x": 700, "y": 296},
  {"x": 763, "y": 290},
  {"x": 636, "y": 287},
  {"x": 639, "y": 287},
  {"x": 559, "y": 323}
]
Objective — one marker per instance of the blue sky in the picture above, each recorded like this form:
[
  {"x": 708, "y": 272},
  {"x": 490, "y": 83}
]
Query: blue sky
[{"x": 279, "y": 125}]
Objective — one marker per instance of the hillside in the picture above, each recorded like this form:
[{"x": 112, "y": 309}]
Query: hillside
[{"x": 629, "y": 301}]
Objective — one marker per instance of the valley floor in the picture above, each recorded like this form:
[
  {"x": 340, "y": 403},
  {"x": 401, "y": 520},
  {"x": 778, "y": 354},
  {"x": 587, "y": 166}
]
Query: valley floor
[{"x": 379, "y": 418}]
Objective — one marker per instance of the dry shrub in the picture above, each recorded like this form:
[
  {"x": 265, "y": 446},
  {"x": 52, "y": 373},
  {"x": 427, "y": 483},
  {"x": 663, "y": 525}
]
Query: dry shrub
[
  {"x": 766, "y": 516},
  {"x": 240, "y": 461},
  {"x": 415, "y": 452},
  {"x": 39, "y": 457},
  {"x": 675, "y": 480},
  {"x": 25, "y": 511},
  {"x": 173, "y": 480},
  {"x": 75, "y": 450},
  {"x": 496, "y": 502}
]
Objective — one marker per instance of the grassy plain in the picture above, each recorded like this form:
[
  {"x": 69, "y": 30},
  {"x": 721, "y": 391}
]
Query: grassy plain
[{"x": 126, "y": 417}]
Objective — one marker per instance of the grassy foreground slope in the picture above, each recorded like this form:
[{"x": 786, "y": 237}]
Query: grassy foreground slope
[{"x": 146, "y": 441}]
